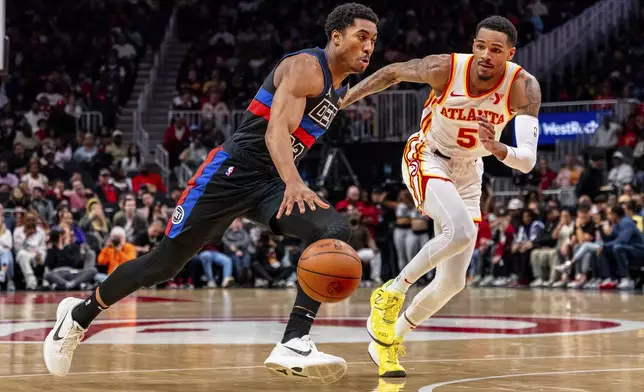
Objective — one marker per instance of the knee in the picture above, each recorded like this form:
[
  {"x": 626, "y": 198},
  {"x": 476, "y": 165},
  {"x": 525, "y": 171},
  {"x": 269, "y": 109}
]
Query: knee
[
  {"x": 452, "y": 286},
  {"x": 462, "y": 232},
  {"x": 336, "y": 228}
]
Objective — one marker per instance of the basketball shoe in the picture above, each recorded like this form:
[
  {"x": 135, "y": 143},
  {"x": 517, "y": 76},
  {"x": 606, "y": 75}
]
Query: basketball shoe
[
  {"x": 385, "y": 306},
  {"x": 299, "y": 358},
  {"x": 387, "y": 358},
  {"x": 63, "y": 339}
]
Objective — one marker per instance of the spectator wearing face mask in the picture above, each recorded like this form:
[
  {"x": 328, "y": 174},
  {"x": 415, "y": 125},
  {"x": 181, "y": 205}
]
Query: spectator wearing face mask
[{"x": 31, "y": 249}]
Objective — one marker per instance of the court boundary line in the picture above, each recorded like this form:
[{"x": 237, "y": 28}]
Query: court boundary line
[
  {"x": 444, "y": 360},
  {"x": 433, "y": 387}
]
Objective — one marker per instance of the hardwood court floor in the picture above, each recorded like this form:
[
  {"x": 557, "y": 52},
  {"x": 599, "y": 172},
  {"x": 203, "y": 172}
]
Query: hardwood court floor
[{"x": 217, "y": 340}]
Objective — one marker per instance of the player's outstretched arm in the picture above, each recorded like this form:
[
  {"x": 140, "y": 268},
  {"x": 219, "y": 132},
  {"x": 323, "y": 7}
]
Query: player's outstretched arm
[
  {"x": 296, "y": 79},
  {"x": 525, "y": 99},
  {"x": 433, "y": 70}
]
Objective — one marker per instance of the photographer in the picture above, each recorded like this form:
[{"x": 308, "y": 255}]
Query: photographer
[{"x": 117, "y": 251}]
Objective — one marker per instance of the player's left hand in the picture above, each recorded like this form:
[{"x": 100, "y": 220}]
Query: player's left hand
[
  {"x": 486, "y": 132},
  {"x": 300, "y": 194}
]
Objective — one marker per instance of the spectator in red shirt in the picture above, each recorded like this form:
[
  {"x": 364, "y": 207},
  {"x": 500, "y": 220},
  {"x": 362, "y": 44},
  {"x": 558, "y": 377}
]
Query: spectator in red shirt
[
  {"x": 176, "y": 139},
  {"x": 547, "y": 175},
  {"x": 106, "y": 192},
  {"x": 153, "y": 181},
  {"x": 352, "y": 200}
]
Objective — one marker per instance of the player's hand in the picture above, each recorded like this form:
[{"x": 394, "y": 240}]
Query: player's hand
[
  {"x": 486, "y": 133},
  {"x": 298, "y": 192}
]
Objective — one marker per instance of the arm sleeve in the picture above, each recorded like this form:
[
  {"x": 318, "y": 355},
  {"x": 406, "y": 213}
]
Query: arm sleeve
[{"x": 524, "y": 156}]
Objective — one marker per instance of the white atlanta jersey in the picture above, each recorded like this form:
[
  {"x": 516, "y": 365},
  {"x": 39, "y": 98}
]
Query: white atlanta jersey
[
  {"x": 449, "y": 125},
  {"x": 450, "y": 121}
]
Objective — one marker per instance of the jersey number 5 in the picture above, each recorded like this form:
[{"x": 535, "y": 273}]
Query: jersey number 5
[{"x": 467, "y": 138}]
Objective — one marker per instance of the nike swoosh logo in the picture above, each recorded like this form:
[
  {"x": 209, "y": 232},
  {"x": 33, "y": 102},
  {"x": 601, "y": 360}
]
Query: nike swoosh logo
[
  {"x": 303, "y": 353},
  {"x": 57, "y": 337},
  {"x": 453, "y": 94}
]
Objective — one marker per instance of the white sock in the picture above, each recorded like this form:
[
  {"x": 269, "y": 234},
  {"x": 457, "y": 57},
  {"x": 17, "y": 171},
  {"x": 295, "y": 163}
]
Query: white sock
[{"x": 404, "y": 326}]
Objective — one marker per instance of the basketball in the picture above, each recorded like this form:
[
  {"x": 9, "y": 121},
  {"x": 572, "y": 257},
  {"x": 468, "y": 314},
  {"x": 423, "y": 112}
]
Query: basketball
[{"x": 329, "y": 270}]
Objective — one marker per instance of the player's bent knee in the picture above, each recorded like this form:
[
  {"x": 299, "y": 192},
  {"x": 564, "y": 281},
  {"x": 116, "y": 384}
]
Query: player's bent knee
[{"x": 463, "y": 233}]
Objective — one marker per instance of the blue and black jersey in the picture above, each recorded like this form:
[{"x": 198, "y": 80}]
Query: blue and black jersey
[{"x": 248, "y": 141}]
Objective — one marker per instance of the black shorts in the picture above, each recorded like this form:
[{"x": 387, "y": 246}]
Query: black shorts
[{"x": 224, "y": 188}]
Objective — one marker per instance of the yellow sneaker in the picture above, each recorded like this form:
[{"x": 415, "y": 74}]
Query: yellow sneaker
[
  {"x": 387, "y": 358},
  {"x": 385, "y": 306}
]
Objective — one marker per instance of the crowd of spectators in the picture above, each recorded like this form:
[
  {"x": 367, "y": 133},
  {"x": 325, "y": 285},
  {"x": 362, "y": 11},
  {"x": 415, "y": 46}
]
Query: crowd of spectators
[
  {"x": 69, "y": 57},
  {"x": 237, "y": 44},
  {"x": 76, "y": 205}
]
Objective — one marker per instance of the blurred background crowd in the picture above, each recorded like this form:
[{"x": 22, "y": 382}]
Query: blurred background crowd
[{"x": 79, "y": 200}]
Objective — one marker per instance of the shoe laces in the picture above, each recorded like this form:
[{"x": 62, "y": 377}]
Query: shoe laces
[
  {"x": 394, "y": 351},
  {"x": 307, "y": 340},
  {"x": 72, "y": 340}
]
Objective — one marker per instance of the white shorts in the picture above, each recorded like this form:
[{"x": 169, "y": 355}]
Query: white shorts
[{"x": 420, "y": 164}]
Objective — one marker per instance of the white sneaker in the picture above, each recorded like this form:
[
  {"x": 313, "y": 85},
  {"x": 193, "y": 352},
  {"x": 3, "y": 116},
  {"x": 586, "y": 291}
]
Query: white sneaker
[
  {"x": 299, "y": 358},
  {"x": 537, "y": 283},
  {"x": 626, "y": 284},
  {"x": 63, "y": 339}
]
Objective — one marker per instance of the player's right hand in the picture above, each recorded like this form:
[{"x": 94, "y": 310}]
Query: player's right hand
[{"x": 298, "y": 192}]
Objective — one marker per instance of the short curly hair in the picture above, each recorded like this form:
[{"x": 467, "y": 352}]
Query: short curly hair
[
  {"x": 345, "y": 15},
  {"x": 500, "y": 24}
]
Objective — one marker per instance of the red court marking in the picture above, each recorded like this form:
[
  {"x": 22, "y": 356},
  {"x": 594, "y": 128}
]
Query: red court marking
[{"x": 162, "y": 330}]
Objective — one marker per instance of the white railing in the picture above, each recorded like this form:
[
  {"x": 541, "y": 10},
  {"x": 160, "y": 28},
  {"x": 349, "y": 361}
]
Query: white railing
[
  {"x": 90, "y": 121},
  {"x": 584, "y": 32},
  {"x": 162, "y": 160},
  {"x": 184, "y": 173},
  {"x": 225, "y": 122},
  {"x": 140, "y": 115}
]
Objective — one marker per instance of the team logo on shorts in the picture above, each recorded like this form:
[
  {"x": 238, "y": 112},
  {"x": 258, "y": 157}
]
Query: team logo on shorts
[{"x": 177, "y": 215}]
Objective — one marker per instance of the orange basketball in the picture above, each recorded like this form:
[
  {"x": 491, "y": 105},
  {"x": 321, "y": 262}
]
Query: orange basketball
[{"x": 329, "y": 270}]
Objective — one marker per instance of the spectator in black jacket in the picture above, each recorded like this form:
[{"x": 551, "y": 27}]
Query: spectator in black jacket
[
  {"x": 592, "y": 178},
  {"x": 268, "y": 268},
  {"x": 71, "y": 265},
  {"x": 545, "y": 251}
]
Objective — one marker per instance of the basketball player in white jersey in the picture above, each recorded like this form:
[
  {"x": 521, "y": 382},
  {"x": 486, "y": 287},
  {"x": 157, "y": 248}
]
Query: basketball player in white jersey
[{"x": 473, "y": 97}]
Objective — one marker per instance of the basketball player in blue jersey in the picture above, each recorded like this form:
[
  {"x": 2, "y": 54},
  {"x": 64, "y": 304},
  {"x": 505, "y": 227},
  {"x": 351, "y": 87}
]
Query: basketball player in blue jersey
[{"x": 253, "y": 174}]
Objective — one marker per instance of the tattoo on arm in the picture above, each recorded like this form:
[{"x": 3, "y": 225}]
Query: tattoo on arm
[
  {"x": 413, "y": 71},
  {"x": 532, "y": 98}
]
